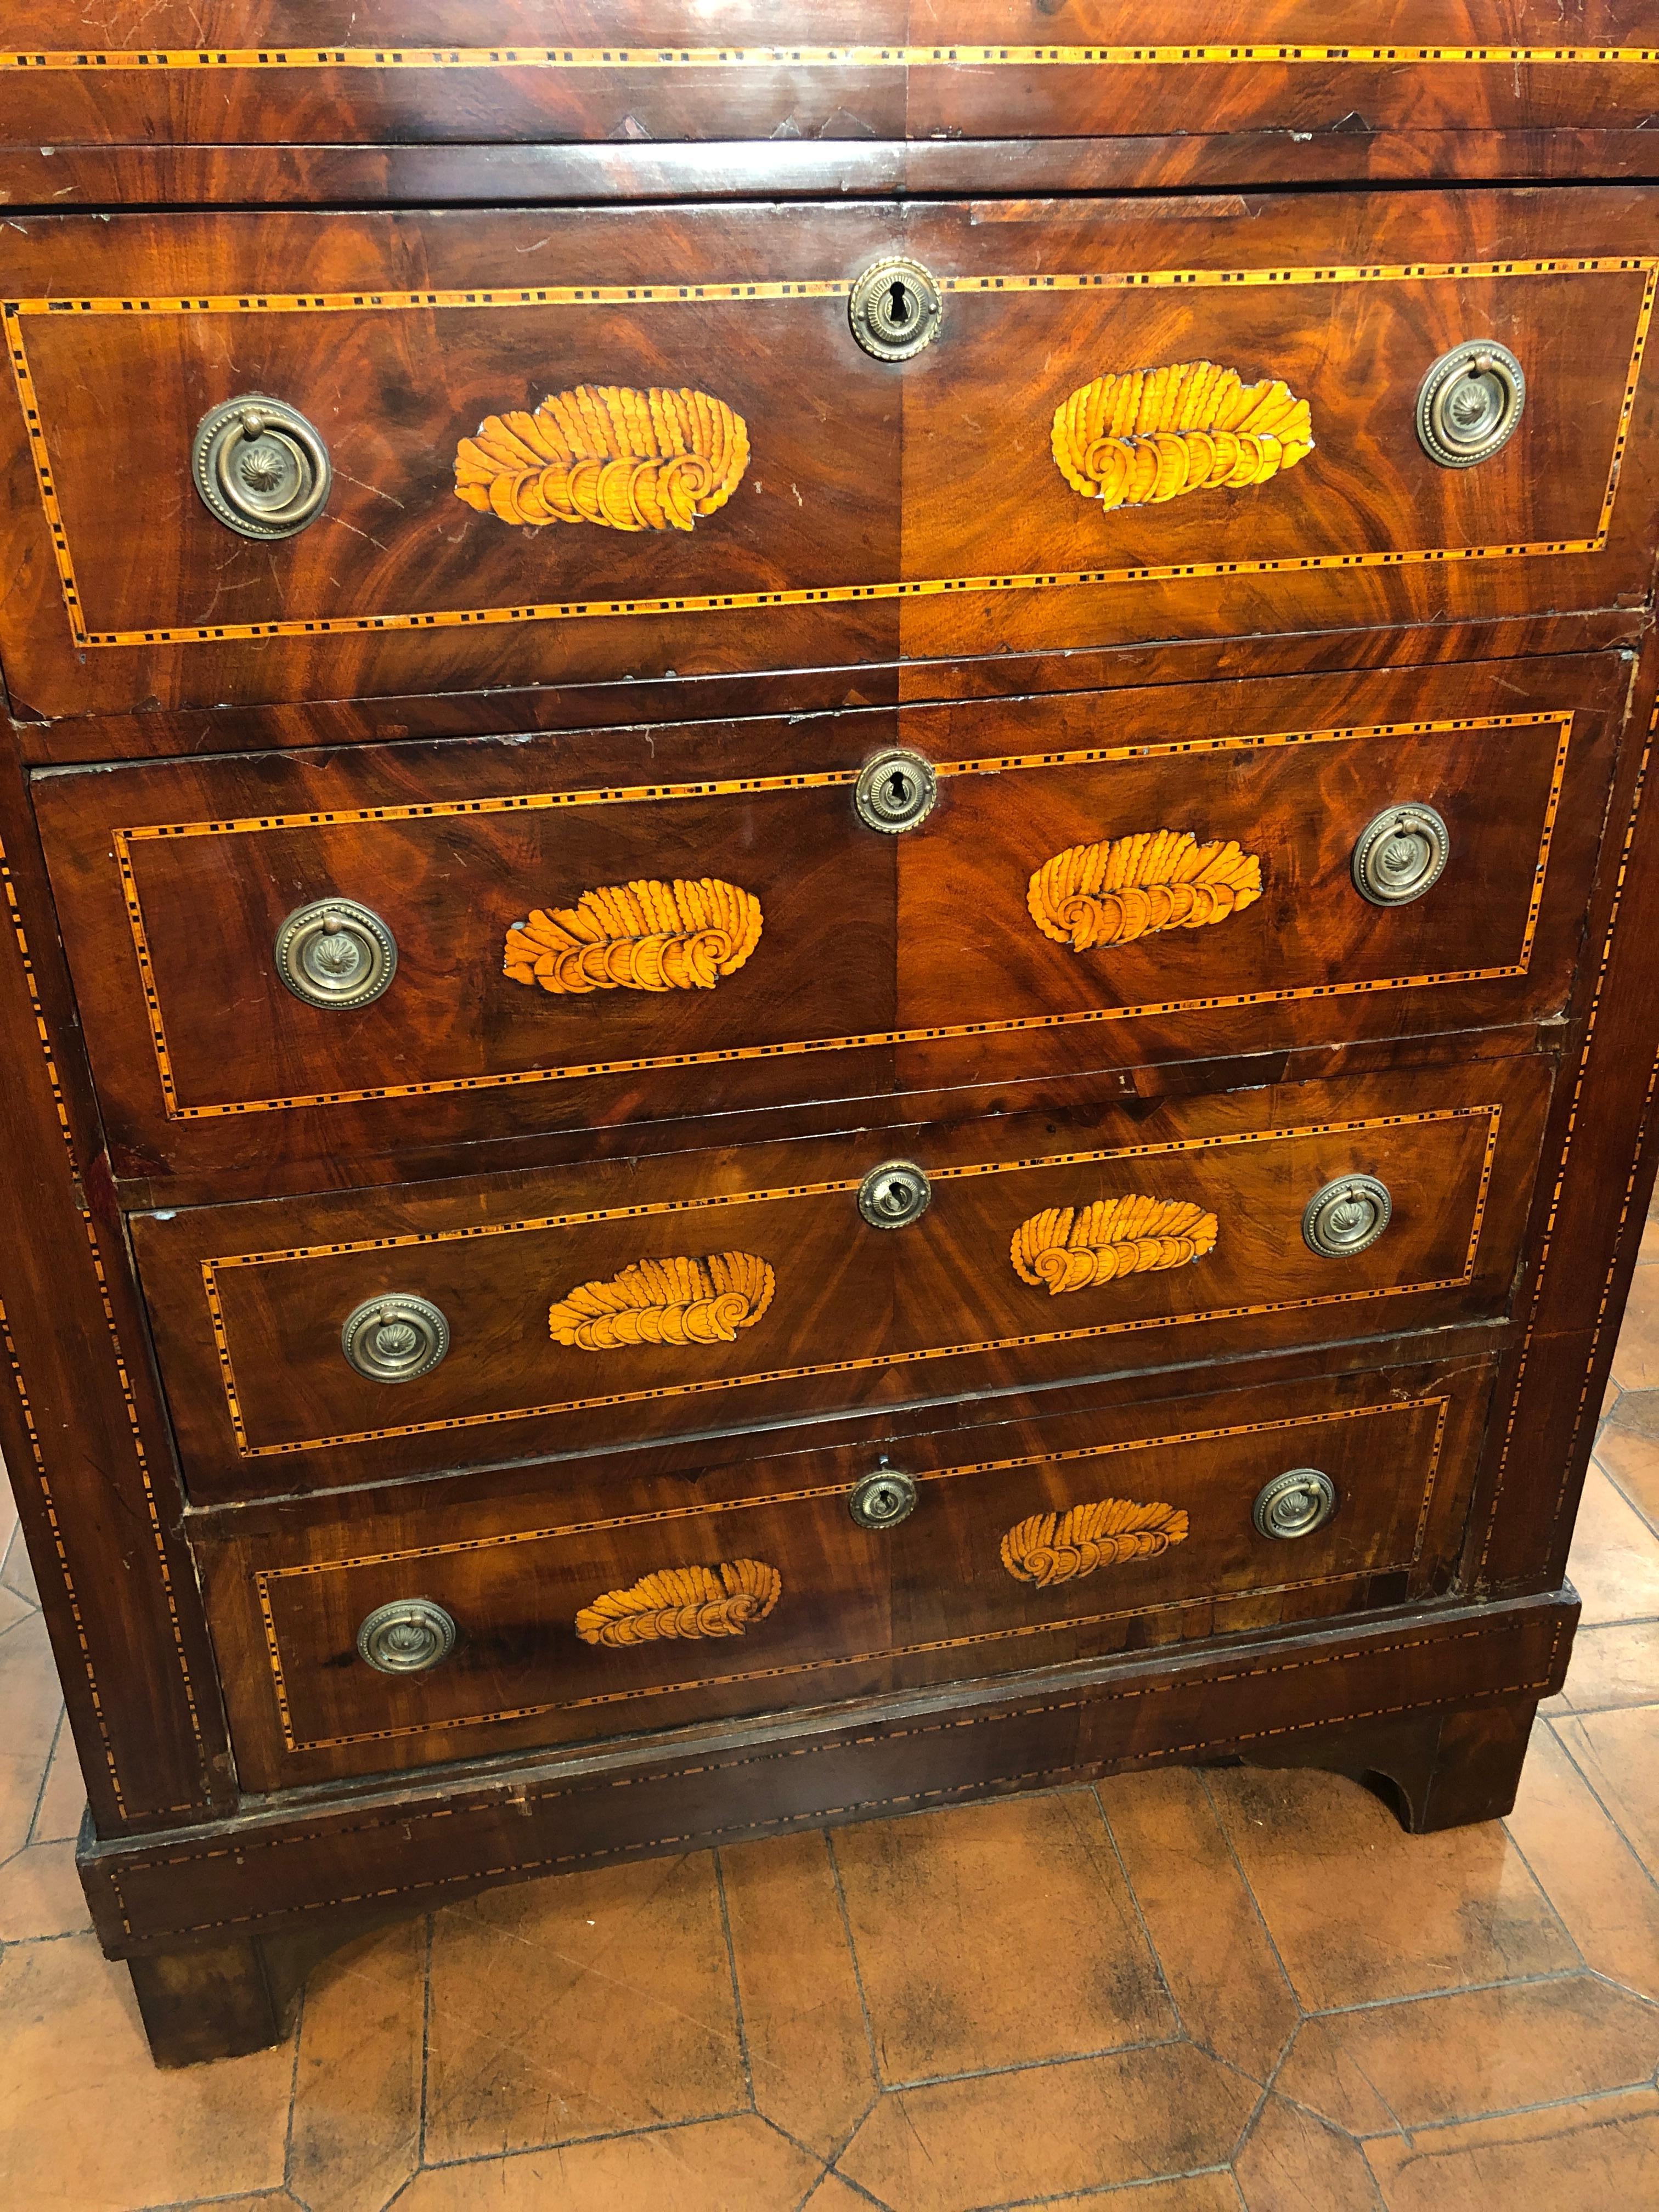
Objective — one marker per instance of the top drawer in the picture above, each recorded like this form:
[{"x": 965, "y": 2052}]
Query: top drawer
[{"x": 1016, "y": 484}]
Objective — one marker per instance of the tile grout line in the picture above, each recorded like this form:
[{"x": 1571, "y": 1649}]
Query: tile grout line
[
  {"x": 558, "y": 2144},
  {"x": 1614, "y": 1822},
  {"x": 737, "y": 1993},
  {"x": 1040, "y": 2065},
  {"x": 880, "y": 2087},
  {"x": 1152, "y": 1951},
  {"x": 430, "y": 1919},
  {"x": 293, "y": 2090},
  {"x": 29, "y": 1837},
  {"x": 1248, "y": 1888},
  {"x": 1639, "y": 1510}
]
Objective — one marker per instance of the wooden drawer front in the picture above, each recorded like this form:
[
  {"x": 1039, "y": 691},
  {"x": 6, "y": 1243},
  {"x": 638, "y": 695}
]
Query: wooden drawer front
[
  {"x": 750, "y": 1586},
  {"x": 832, "y": 958},
  {"x": 775, "y": 1298},
  {"x": 844, "y": 509}
]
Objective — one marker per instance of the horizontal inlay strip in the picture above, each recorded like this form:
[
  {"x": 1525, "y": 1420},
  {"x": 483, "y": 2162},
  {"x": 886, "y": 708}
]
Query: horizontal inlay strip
[{"x": 847, "y": 57}]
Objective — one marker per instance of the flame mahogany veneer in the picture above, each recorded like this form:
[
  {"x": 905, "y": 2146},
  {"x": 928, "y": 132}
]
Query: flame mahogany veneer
[{"x": 901, "y": 1210}]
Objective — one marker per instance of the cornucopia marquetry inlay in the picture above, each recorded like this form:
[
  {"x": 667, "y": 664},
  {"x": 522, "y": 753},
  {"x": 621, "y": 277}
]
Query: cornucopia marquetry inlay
[
  {"x": 1067, "y": 1248},
  {"x": 607, "y": 454},
  {"x": 600, "y": 965},
  {"x": 1062, "y": 1547},
  {"x": 1124, "y": 888},
  {"x": 1151, "y": 434},
  {"x": 684, "y": 1603},
  {"x": 641, "y": 936},
  {"x": 669, "y": 1302}
]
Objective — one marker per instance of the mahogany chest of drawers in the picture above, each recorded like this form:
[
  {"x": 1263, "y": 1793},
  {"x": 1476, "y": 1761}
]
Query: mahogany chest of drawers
[{"x": 828, "y": 962}]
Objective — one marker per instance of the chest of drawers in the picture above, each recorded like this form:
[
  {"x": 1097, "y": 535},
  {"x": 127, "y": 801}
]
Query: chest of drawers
[{"x": 827, "y": 959}]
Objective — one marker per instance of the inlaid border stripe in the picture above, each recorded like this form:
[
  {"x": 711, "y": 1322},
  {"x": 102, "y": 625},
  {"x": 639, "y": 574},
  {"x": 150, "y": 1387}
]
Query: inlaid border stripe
[
  {"x": 246, "y": 1449},
  {"x": 1546, "y": 1246},
  {"x": 158, "y": 1552},
  {"x": 123, "y": 839},
  {"x": 16, "y": 311},
  {"x": 263, "y": 1578},
  {"x": 956, "y": 56}
]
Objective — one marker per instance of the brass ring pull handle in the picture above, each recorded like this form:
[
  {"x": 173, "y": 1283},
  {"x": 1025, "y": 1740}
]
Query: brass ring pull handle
[
  {"x": 334, "y": 952},
  {"x": 407, "y": 1637},
  {"x": 260, "y": 467},
  {"x": 1399, "y": 855},
  {"x": 1346, "y": 1216},
  {"x": 893, "y": 1194},
  {"x": 883, "y": 1499},
  {"x": 896, "y": 792},
  {"x": 1470, "y": 405},
  {"x": 396, "y": 1338},
  {"x": 895, "y": 308},
  {"x": 1294, "y": 1504}
]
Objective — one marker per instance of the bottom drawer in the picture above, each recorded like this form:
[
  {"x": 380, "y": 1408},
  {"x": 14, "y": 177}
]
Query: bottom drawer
[{"x": 394, "y": 1629}]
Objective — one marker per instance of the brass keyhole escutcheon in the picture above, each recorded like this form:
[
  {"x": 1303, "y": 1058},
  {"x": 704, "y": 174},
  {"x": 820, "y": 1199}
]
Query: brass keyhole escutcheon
[
  {"x": 896, "y": 792},
  {"x": 1470, "y": 404},
  {"x": 895, "y": 308},
  {"x": 894, "y": 1194},
  {"x": 883, "y": 1499}
]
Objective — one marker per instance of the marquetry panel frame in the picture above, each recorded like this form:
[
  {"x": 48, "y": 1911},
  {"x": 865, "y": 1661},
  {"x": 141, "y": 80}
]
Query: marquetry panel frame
[
  {"x": 15, "y": 314},
  {"x": 248, "y": 1448},
  {"x": 264, "y": 1579},
  {"x": 125, "y": 840}
]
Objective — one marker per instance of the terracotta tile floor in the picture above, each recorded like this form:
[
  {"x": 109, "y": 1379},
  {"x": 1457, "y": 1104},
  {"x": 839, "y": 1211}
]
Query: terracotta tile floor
[{"x": 1180, "y": 1992}]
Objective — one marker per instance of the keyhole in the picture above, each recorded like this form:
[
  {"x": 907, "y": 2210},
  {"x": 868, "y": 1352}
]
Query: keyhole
[
  {"x": 898, "y": 303},
  {"x": 899, "y": 793}
]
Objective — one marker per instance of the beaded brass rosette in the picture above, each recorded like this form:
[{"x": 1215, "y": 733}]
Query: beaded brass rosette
[
  {"x": 684, "y": 1603},
  {"x": 1062, "y": 1547},
  {"x": 1128, "y": 887},
  {"x": 1072, "y": 1248},
  {"x": 607, "y": 454},
  {"x": 642, "y": 936},
  {"x": 676, "y": 1301},
  {"x": 1156, "y": 434}
]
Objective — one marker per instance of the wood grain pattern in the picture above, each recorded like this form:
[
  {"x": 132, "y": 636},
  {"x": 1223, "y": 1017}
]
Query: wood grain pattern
[
  {"x": 248, "y": 1331},
  {"x": 865, "y": 1609},
  {"x": 888, "y": 535},
  {"x": 502, "y": 70},
  {"x": 1169, "y": 642},
  {"x": 884, "y": 964}
]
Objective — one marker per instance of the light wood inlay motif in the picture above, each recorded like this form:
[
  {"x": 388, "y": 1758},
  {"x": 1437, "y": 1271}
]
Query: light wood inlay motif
[
  {"x": 1151, "y": 434},
  {"x": 1072, "y": 1249},
  {"x": 642, "y": 936},
  {"x": 1127, "y": 887},
  {"x": 1063, "y": 1548},
  {"x": 676, "y": 1301},
  {"x": 752, "y": 291},
  {"x": 684, "y": 1603},
  {"x": 606, "y": 454}
]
